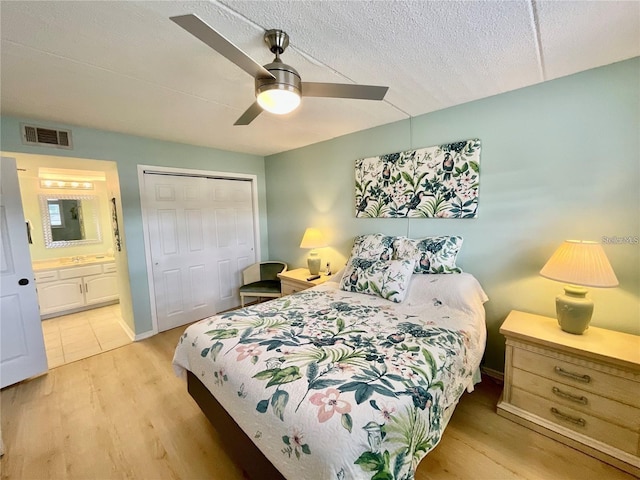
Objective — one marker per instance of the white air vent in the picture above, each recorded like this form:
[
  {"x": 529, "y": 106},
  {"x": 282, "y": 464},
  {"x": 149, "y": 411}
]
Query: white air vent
[{"x": 46, "y": 137}]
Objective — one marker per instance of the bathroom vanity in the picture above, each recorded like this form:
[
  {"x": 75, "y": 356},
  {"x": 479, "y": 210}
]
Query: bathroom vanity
[{"x": 71, "y": 284}]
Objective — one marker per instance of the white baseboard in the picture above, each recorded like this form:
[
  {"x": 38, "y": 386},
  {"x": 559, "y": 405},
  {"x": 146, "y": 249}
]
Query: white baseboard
[
  {"x": 133, "y": 336},
  {"x": 142, "y": 336},
  {"x": 127, "y": 329}
]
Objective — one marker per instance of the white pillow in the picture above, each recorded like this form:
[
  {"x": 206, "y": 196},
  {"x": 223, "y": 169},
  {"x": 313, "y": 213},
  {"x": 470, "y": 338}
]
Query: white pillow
[
  {"x": 374, "y": 246},
  {"x": 336, "y": 277},
  {"x": 461, "y": 292},
  {"x": 386, "y": 279},
  {"x": 430, "y": 254}
]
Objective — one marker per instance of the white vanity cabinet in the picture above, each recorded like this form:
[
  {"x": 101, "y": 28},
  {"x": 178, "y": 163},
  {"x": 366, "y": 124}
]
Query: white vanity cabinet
[
  {"x": 75, "y": 287},
  {"x": 59, "y": 295}
]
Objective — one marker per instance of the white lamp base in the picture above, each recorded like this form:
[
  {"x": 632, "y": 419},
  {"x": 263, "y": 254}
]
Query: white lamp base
[
  {"x": 313, "y": 262},
  {"x": 574, "y": 310}
]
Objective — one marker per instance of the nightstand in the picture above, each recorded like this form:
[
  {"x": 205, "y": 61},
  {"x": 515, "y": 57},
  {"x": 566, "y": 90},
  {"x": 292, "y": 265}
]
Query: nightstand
[
  {"x": 582, "y": 390},
  {"x": 293, "y": 281}
]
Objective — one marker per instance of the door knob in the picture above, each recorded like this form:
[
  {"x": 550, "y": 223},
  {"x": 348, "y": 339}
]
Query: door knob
[{"x": 23, "y": 281}]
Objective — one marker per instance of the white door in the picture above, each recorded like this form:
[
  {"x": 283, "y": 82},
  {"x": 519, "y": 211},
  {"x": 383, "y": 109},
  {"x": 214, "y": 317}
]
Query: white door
[
  {"x": 232, "y": 246},
  {"x": 201, "y": 237},
  {"x": 22, "y": 354}
]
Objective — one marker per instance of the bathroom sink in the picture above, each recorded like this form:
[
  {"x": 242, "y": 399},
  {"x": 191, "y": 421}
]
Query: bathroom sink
[{"x": 67, "y": 261}]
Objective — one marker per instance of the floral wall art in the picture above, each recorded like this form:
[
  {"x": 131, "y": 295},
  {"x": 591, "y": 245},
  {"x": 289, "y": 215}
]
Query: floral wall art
[{"x": 432, "y": 182}]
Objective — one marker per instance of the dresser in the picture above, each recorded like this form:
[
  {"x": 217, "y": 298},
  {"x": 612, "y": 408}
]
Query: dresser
[
  {"x": 292, "y": 281},
  {"x": 582, "y": 390}
]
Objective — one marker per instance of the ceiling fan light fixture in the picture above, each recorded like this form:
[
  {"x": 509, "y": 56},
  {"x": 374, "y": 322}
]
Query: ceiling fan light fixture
[
  {"x": 279, "y": 100},
  {"x": 278, "y": 85}
]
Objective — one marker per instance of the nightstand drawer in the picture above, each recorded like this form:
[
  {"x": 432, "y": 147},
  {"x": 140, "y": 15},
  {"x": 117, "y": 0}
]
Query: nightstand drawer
[
  {"x": 580, "y": 422},
  {"x": 289, "y": 288},
  {"x": 584, "y": 401},
  {"x": 580, "y": 374},
  {"x": 292, "y": 281}
]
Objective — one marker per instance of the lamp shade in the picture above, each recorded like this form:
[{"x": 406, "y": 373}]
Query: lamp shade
[
  {"x": 313, "y": 238},
  {"x": 580, "y": 262}
]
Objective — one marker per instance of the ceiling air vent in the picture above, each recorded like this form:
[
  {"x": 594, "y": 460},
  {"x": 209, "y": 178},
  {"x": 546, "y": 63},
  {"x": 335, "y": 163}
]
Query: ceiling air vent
[{"x": 46, "y": 137}]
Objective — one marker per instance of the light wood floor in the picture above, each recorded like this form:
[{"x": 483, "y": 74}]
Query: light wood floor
[{"x": 123, "y": 414}]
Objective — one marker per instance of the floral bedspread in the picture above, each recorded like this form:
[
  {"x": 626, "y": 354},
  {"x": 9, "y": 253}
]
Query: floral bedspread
[{"x": 338, "y": 385}]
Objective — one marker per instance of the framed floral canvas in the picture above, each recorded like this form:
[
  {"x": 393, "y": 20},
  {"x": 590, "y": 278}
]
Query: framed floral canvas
[{"x": 432, "y": 182}]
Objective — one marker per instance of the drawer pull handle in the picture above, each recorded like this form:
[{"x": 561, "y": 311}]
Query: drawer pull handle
[
  {"x": 563, "y": 416},
  {"x": 573, "y": 376},
  {"x": 574, "y": 398}
]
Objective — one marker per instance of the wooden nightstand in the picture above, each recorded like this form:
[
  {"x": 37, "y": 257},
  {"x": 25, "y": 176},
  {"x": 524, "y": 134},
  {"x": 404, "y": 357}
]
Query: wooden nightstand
[
  {"x": 582, "y": 390},
  {"x": 293, "y": 281}
]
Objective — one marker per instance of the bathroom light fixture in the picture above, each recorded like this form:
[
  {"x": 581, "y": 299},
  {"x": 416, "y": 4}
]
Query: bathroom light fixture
[
  {"x": 66, "y": 184},
  {"x": 578, "y": 263}
]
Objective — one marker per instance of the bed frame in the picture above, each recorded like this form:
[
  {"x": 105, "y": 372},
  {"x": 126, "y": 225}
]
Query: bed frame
[{"x": 237, "y": 444}]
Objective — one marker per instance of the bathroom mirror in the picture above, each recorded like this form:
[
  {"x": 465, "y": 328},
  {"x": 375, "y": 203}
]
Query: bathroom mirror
[{"x": 69, "y": 220}]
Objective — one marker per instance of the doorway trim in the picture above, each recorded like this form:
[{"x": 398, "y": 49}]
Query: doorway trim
[{"x": 154, "y": 169}]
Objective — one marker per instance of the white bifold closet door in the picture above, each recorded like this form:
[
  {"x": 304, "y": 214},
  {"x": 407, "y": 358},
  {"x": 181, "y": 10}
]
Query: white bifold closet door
[{"x": 201, "y": 235}]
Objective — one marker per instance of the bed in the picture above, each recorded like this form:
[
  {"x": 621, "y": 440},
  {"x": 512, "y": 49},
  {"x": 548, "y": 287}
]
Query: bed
[{"x": 333, "y": 383}]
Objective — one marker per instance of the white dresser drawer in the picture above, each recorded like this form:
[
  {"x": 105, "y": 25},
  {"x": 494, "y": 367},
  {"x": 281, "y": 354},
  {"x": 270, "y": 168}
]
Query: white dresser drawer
[
  {"x": 109, "y": 267},
  {"x": 46, "y": 276},
  {"x": 582, "y": 390},
  {"x": 578, "y": 373},
  {"x": 83, "y": 271},
  {"x": 588, "y": 402},
  {"x": 580, "y": 422}
]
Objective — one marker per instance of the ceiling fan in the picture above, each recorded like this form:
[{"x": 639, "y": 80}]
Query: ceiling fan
[{"x": 278, "y": 85}]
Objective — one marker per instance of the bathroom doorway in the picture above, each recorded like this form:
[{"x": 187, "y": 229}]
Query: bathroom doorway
[{"x": 77, "y": 255}]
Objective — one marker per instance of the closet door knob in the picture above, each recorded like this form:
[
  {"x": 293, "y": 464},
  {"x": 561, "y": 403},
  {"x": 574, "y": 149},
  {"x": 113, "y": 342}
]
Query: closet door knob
[{"x": 23, "y": 281}]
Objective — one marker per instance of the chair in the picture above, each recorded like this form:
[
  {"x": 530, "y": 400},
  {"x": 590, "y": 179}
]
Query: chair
[{"x": 261, "y": 280}]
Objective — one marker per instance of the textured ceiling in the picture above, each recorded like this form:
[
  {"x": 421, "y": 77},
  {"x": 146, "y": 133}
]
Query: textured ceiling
[{"x": 125, "y": 67}]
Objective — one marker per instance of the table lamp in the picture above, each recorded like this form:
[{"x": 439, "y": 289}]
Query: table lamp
[
  {"x": 313, "y": 239},
  {"x": 579, "y": 263}
]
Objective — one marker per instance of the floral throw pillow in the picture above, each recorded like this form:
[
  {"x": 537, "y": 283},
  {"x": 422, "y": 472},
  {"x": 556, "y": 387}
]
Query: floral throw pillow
[
  {"x": 430, "y": 254},
  {"x": 386, "y": 279},
  {"x": 375, "y": 246}
]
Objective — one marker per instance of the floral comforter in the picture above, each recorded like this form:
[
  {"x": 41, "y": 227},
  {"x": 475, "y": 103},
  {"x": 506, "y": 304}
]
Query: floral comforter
[{"x": 331, "y": 384}]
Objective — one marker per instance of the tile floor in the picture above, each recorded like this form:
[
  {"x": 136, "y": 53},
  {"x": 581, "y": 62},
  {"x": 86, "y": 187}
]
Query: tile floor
[{"x": 83, "y": 334}]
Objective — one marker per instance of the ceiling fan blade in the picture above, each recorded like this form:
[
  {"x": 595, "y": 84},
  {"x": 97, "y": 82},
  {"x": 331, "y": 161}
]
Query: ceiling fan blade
[
  {"x": 199, "y": 29},
  {"x": 343, "y": 90},
  {"x": 249, "y": 115}
]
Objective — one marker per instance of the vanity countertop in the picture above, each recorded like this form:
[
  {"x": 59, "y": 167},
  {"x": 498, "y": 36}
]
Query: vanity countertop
[{"x": 65, "y": 262}]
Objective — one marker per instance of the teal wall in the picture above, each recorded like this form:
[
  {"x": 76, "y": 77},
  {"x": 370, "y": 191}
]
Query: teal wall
[
  {"x": 559, "y": 160},
  {"x": 129, "y": 151}
]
